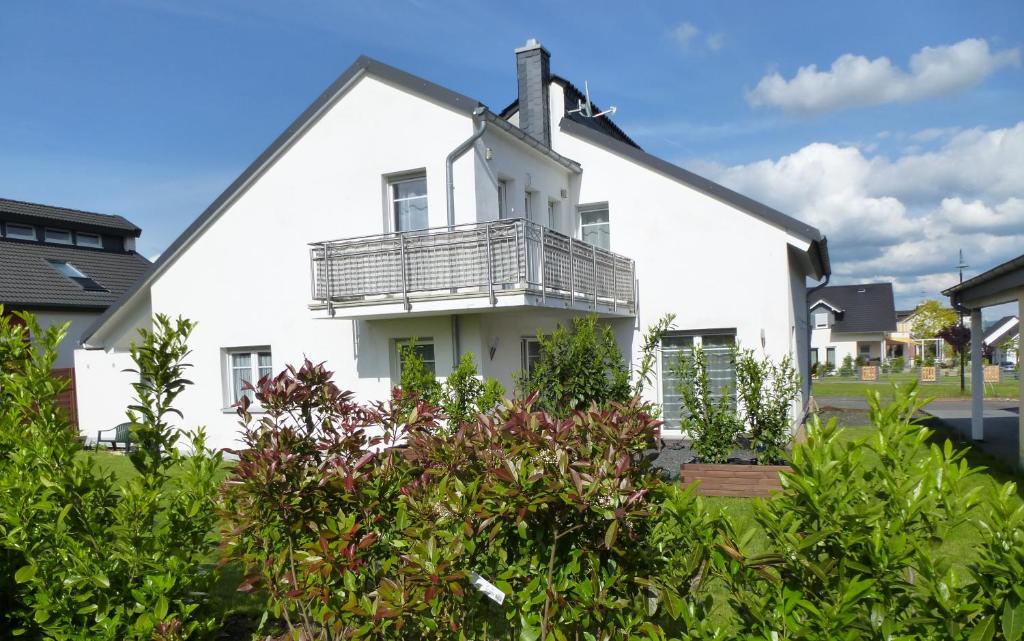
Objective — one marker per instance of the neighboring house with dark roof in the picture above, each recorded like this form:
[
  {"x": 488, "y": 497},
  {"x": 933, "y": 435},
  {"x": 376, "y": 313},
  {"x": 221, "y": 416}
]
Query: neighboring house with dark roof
[
  {"x": 851, "y": 320},
  {"x": 998, "y": 341},
  {"x": 394, "y": 208},
  {"x": 65, "y": 265}
]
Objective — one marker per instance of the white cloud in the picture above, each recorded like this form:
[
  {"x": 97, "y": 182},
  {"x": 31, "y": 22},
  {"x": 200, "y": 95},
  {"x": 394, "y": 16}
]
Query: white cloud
[
  {"x": 901, "y": 219},
  {"x": 684, "y": 33},
  {"x": 855, "y": 81},
  {"x": 687, "y": 35}
]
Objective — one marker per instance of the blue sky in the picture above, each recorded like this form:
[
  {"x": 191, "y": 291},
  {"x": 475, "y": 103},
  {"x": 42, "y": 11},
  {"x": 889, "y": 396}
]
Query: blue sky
[{"x": 149, "y": 108}]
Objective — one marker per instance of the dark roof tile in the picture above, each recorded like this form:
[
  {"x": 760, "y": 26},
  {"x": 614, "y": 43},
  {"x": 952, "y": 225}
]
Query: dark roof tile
[
  {"x": 33, "y": 212},
  {"x": 866, "y": 308}
]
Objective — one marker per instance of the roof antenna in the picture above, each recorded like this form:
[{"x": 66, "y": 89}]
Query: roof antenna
[{"x": 586, "y": 109}]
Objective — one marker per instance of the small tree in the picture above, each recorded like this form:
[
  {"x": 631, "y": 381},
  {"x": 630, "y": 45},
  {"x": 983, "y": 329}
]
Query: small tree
[
  {"x": 465, "y": 395},
  {"x": 767, "y": 390},
  {"x": 847, "y": 367},
  {"x": 711, "y": 422},
  {"x": 958, "y": 338},
  {"x": 577, "y": 367},
  {"x": 930, "y": 318},
  {"x": 416, "y": 381}
]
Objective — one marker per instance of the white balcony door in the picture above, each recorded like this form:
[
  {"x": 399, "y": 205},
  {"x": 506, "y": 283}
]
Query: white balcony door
[{"x": 409, "y": 203}]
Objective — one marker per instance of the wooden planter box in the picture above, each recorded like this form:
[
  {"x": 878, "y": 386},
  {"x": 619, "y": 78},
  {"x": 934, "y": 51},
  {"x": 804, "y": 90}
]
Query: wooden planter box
[{"x": 733, "y": 479}]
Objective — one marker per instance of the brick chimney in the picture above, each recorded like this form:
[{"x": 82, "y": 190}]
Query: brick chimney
[{"x": 533, "y": 71}]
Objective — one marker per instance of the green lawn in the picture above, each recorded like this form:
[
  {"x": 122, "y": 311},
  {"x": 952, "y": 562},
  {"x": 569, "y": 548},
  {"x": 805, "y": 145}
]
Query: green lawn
[{"x": 945, "y": 387}]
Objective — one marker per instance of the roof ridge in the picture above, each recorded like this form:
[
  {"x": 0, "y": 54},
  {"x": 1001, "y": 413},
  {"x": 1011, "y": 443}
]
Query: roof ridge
[{"x": 61, "y": 207}]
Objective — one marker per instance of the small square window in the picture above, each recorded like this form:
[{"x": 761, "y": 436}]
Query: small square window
[
  {"x": 246, "y": 366},
  {"x": 424, "y": 348},
  {"x": 88, "y": 240},
  {"x": 820, "y": 320},
  {"x": 20, "y": 232},
  {"x": 62, "y": 236}
]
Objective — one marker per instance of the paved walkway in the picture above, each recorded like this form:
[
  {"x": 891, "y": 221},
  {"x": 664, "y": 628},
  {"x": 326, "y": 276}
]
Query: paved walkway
[{"x": 1001, "y": 421}]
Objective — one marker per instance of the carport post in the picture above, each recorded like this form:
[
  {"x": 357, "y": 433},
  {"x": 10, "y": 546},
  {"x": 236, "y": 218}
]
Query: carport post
[
  {"x": 977, "y": 378},
  {"x": 1020, "y": 381}
]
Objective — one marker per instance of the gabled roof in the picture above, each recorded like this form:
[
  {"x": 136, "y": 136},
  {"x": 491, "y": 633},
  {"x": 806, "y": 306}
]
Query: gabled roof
[
  {"x": 29, "y": 280},
  {"x": 823, "y": 302},
  {"x": 20, "y": 211},
  {"x": 866, "y": 308},
  {"x": 1001, "y": 330},
  {"x": 749, "y": 205},
  {"x": 573, "y": 96},
  {"x": 364, "y": 65}
]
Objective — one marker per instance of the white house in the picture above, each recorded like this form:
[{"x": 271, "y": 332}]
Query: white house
[
  {"x": 394, "y": 208},
  {"x": 998, "y": 341},
  {"x": 851, "y": 320}
]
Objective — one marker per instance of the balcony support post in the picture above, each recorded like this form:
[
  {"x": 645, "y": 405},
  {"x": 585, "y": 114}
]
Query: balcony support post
[
  {"x": 405, "y": 284},
  {"x": 543, "y": 264},
  {"x": 615, "y": 284},
  {"x": 572, "y": 275},
  {"x": 327, "y": 274},
  {"x": 490, "y": 268},
  {"x": 593, "y": 255}
]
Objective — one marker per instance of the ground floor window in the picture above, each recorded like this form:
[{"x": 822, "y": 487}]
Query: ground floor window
[
  {"x": 244, "y": 366},
  {"x": 531, "y": 354},
  {"x": 422, "y": 347},
  {"x": 718, "y": 347},
  {"x": 814, "y": 357},
  {"x": 830, "y": 357}
]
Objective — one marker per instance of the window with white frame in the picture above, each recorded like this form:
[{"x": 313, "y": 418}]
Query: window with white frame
[
  {"x": 422, "y": 347},
  {"x": 531, "y": 354},
  {"x": 528, "y": 212},
  {"x": 62, "y": 236},
  {"x": 409, "y": 202},
  {"x": 19, "y": 232},
  {"x": 552, "y": 215},
  {"x": 717, "y": 345},
  {"x": 820, "y": 320},
  {"x": 594, "y": 226},
  {"x": 503, "y": 209},
  {"x": 88, "y": 240},
  {"x": 246, "y": 366}
]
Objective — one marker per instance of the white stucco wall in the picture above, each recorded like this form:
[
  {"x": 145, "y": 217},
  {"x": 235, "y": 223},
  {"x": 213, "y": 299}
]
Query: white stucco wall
[
  {"x": 845, "y": 344},
  {"x": 245, "y": 278},
  {"x": 78, "y": 323}
]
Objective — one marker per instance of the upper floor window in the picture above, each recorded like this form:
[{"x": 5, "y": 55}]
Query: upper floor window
[
  {"x": 820, "y": 320},
  {"x": 503, "y": 209},
  {"x": 528, "y": 205},
  {"x": 20, "y": 232},
  {"x": 594, "y": 227},
  {"x": 552, "y": 214},
  {"x": 77, "y": 275},
  {"x": 246, "y": 366},
  {"x": 409, "y": 202},
  {"x": 62, "y": 236},
  {"x": 88, "y": 240}
]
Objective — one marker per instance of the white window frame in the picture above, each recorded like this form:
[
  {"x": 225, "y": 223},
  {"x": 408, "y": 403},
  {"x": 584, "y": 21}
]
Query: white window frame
[
  {"x": 528, "y": 205},
  {"x": 396, "y": 356},
  {"x": 524, "y": 347},
  {"x": 697, "y": 337},
  {"x": 69, "y": 241},
  {"x": 592, "y": 208},
  {"x": 398, "y": 179},
  {"x": 552, "y": 215},
  {"x": 98, "y": 244},
  {"x": 254, "y": 372},
  {"x": 503, "y": 209},
  {"x": 28, "y": 234},
  {"x": 820, "y": 320}
]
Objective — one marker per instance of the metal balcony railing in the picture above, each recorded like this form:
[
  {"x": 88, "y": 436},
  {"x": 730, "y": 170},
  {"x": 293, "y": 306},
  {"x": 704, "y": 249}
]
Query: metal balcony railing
[{"x": 479, "y": 258}]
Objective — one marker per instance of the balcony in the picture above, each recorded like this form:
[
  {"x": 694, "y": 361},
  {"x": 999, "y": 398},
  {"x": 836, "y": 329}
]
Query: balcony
[{"x": 475, "y": 267}]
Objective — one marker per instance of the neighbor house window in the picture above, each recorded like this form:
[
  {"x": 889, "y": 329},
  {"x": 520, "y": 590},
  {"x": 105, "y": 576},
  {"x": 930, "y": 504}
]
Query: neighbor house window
[
  {"x": 423, "y": 348},
  {"x": 67, "y": 269},
  {"x": 246, "y": 366},
  {"x": 88, "y": 240},
  {"x": 717, "y": 345},
  {"x": 820, "y": 320},
  {"x": 503, "y": 211},
  {"x": 594, "y": 228},
  {"x": 20, "y": 232},
  {"x": 409, "y": 203},
  {"x": 830, "y": 357},
  {"x": 814, "y": 357},
  {"x": 531, "y": 354},
  {"x": 61, "y": 236}
]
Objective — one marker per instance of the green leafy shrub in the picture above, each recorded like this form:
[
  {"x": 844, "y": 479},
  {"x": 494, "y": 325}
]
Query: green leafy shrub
[
  {"x": 846, "y": 369},
  {"x": 102, "y": 559},
  {"x": 897, "y": 364},
  {"x": 767, "y": 390},
  {"x": 577, "y": 367},
  {"x": 352, "y": 536},
  {"x": 711, "y": 422},
  {"x": 464, "y": 395},
  {"x": 417, "y": 382},
  {"x": 852, "y": 542}
]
